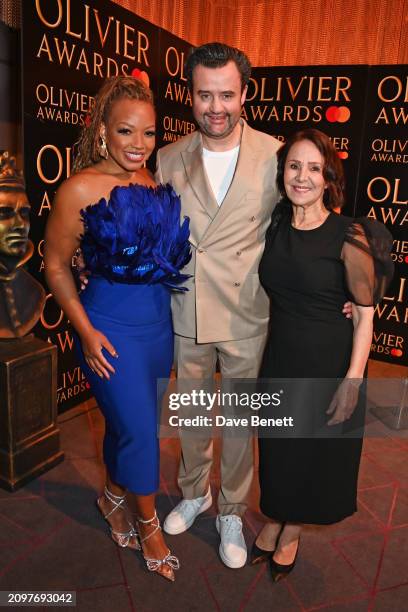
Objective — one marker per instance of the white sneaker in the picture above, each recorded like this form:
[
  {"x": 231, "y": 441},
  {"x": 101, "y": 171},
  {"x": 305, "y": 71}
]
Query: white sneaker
[
  {"x": 233, "y": 551},
  {"x": 185, "y": 513}
]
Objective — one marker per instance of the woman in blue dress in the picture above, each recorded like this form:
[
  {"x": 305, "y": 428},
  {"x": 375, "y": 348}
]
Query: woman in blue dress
[{"x": 134, "y": 247}]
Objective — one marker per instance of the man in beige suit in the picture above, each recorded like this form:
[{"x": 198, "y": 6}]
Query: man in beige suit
[{"x": 225, "y": 174}]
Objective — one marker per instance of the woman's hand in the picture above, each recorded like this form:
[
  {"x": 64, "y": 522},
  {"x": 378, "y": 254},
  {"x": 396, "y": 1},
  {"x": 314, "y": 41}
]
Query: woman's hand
[
  {"x": 347, "y": 310},
  {"x": 344, "y": 401},
  {"x": 92, "y": 344}
]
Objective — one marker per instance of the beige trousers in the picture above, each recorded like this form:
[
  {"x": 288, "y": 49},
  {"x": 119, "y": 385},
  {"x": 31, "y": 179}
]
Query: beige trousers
[{"x": 237, "y": 359}]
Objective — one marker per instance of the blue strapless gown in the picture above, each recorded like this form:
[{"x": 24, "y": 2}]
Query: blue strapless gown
[{"x": 134, "y": 247}]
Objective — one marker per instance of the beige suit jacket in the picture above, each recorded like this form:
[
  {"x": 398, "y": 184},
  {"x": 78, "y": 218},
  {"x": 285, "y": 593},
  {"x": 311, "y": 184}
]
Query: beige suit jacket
[{"x": 225, "y": 300}]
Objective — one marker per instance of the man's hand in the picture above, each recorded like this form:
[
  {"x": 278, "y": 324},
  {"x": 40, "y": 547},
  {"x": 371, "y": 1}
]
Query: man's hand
[
  {"x": 344, "y": 401},
  {"x": 83, "y": 277},
  {"x": 347, "y": 308},
  {"x": 79, "y": 264}
]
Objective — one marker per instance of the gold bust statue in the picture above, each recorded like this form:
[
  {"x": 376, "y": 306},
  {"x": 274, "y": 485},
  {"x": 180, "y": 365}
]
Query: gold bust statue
[{"x": 21, "y": 297}]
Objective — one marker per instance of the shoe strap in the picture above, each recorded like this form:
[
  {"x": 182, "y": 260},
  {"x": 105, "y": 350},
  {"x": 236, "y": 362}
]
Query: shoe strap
[
  {"x": 117, "y": 501},
  {"x": 127, "y": 535},
  {"x": 156, "y": 526},
  {"x": 147, "y": 521},
  {"x": 154, "y": 564}
]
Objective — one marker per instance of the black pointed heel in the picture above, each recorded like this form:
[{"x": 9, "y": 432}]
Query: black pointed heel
[
  {"x": 259, "y": 555},
  {"x": 279, "y": 571}
]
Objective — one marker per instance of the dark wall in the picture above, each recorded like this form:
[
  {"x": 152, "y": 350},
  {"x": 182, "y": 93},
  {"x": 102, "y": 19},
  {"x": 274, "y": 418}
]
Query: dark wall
[{"x": 10, "y": 98}]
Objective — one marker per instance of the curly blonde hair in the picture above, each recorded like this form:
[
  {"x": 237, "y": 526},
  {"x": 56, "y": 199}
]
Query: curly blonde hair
[{"x": 114, "y": 88}]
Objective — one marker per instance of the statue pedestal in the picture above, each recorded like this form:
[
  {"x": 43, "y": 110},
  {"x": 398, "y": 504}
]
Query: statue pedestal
[{"x": 29, "y": 436}]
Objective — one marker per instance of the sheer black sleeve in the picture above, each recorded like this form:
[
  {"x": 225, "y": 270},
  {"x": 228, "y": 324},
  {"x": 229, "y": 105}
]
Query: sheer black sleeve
[
  {"x": 367, "y": 259},
  {"x": 282, "y": 210}
]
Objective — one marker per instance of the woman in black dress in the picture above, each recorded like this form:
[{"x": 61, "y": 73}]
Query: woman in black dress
[{"x": 314, "y": 261}]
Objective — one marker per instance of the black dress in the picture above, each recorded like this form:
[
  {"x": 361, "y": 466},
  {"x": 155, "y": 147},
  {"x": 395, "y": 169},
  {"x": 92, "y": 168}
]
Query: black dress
[{"x": 309, "y": 275}]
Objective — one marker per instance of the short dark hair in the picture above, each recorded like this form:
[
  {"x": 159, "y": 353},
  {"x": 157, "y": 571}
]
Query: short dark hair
[
  {"x": 216, "y": 55},
  {"x": 333, "y": 173}
]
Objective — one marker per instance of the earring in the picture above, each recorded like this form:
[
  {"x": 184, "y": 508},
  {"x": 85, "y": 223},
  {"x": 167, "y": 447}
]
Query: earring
[{"x": 103, "y": 150}]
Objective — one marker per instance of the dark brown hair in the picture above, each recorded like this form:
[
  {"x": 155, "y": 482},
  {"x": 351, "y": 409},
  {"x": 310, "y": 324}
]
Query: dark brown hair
[
  {"x": 217, "y": 55},
  {"x": 114, "y": 88},
  {"x": 333, "y": 174}
]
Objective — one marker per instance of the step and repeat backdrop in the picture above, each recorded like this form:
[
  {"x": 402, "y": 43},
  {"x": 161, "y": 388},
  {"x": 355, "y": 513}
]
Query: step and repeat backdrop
[
  {"x": 383, "y": 195},
  {"x": 281, "y": 101},
  {"x": 364, "y": 109},
  {"x": 70, "y": 47}
]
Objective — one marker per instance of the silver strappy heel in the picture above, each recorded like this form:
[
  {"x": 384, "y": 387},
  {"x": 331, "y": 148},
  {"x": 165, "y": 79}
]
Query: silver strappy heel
[
  {"x": 127, "y": 539},
  {"x": 154, "y": 565}
]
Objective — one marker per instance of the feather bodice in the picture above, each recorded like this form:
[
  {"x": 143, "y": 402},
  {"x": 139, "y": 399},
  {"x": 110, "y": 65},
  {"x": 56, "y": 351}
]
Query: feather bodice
[{"x": 135, "y": 236}]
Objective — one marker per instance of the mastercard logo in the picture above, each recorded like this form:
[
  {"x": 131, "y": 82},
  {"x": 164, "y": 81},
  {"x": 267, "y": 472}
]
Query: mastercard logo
[
  {"x": 406, "y": 259},
  {"x": 395, "y": 352},
  {"x": 338, "y": 114},
  {"x": 141, "y": 75},
  {"x": 342, "y": 154}
]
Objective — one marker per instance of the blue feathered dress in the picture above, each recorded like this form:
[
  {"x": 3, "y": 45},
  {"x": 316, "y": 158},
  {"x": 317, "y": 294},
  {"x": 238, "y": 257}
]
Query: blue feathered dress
[{"x": 134, "y": 247}]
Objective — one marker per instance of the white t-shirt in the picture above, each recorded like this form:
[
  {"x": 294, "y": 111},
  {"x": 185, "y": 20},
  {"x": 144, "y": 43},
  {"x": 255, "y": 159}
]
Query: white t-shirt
[{"x": 220, "y": 168}]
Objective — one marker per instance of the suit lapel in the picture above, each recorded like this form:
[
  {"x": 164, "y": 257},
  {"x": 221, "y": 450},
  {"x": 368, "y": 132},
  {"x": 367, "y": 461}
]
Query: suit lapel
[
  {"x": 243, "y": 178},
  {"x": 194, "y": 167}
]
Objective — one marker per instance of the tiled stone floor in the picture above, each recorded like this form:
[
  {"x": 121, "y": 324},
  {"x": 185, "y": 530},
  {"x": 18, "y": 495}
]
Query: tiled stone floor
[{"x": 53, "y": 537}]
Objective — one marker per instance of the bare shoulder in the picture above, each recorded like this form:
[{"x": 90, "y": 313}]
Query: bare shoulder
[
  {"x": 85, "y": 187},
  {"x": 145, "y": 177}
]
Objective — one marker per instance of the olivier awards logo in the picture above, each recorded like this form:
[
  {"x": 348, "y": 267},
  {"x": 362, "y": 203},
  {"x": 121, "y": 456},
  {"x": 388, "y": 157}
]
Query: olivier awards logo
[
  {"x": 392, "y": 310},
  {"x": 388, "y": 191},
  {"x": 176, "y": 88},
  {"x": 176, "y": 96},
  {"x": 280, "y": 104},
  {"x": 298, "y": 99},
  {"x": 84, "y": 35},
  {"x": 62, "y": 105},
  {"x": 73, "y": 383},
  {"x": 76, "y": 37},
  {"x": 392, "y": 91},
  {"x": 53, "y": 164},
  {"x": 388, "y": 202},
  {"x": 389, "y": 150}
]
